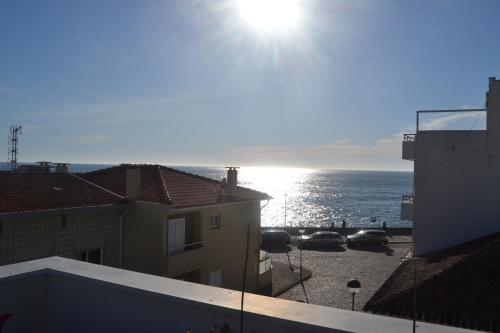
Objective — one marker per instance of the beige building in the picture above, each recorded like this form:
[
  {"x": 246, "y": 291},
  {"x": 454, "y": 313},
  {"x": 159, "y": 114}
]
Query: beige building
[
  {"x": 146, "y": 218},
  {"x": 189, "y": 227},
  {"x": 47, "y": 214}
]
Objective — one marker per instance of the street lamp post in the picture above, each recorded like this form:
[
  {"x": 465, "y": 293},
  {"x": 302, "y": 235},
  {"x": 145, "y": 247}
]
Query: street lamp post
[
  {"x": 301, "y": 231},
  {"x": 354, "y": 286}
]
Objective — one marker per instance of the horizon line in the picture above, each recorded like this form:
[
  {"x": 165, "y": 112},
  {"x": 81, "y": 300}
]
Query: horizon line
[{"x": 224, "y": 166}]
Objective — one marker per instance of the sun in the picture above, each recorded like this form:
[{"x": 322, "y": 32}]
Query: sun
[{"x": 270, "y": 16}]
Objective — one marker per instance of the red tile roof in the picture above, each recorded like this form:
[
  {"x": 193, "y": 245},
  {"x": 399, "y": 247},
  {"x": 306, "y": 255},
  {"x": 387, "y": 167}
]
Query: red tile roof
[
  {"x": 21, "y": 192},
  {"x": 458, "y": 286},
  {"x": 170, "y": 186}
]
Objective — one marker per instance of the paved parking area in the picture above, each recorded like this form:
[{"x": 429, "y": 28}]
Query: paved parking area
[{"x": 332, "y": 267}]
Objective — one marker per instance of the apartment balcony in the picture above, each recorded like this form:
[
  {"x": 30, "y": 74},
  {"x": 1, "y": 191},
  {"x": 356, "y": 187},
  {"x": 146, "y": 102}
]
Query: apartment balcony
[
  {"x": 409, "y": 147},
  {"x": 265, "y": 269},
  {"x": 183, "y": 259},
  {"x": 407, "y": 207}
]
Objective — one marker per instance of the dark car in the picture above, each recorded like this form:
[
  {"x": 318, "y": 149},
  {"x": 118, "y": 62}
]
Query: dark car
[
  {"x": 322, "y": 238},
  {"x": 368, "y": 237},
  {"x": 275, "y": 237}
]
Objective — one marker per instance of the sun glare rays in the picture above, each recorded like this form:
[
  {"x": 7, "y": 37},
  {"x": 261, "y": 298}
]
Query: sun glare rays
[
  {"x": 279, "y": 41},
  {"x": 270, "y": 16}
]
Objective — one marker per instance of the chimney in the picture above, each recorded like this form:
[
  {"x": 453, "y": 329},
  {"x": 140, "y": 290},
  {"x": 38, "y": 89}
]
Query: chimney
[
  {"x": 133, "y": 186},
  {"x": 44, "y": 166},
  {"x": 61, "y": 167},
  {"x": 232, "y": 180}
]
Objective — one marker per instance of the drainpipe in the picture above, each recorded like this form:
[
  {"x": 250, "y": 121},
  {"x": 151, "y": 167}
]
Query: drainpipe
[{"x": 121, "y": 235}]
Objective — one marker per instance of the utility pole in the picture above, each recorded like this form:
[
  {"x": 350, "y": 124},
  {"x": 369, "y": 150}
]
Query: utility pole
[
  {"x": 414, "y": 295},
  {"x": 285, "y": 209},
  {"x": 15, "y": 133}
]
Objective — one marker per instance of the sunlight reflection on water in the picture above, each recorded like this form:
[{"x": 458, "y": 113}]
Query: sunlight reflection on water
[{"x": 318, "y": 197}]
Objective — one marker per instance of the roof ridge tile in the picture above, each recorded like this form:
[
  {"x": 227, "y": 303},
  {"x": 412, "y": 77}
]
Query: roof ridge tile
[{"x": 165, "y": 193}]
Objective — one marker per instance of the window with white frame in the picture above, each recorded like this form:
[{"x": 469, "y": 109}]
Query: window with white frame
[{"x": 215, "y": 222}]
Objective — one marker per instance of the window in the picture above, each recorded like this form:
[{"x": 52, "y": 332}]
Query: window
[
  {"x": 92, "y": 256},
  {"x": 63, "y": 221},
  {"x": 176, "y": 237},
  {"x": 215, "y": 222},
  {"x": 215, "y": 278}
]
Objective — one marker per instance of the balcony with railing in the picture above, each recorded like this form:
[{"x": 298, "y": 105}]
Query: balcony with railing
[
  {"x": 409, "y": 147},
  {"x": 265, "y": 269},
  {"x": 407, "y": 207},
  {"x": 183, "y": 259}
]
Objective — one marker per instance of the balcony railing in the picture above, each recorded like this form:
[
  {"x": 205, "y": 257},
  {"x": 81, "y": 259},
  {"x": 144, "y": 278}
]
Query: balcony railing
[
  {"x": 184, "y": 248},
  {"x": 408, "y": 137},
  {"x": 264, "y": 262},
  {"x": 408, "y": 198},
  {"x": 408, "y": 147},
  {"x": 408, "y": 207},
  {"x": 465, "y": 119}
]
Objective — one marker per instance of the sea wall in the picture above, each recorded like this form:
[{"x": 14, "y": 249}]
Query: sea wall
[{"x": 294, "y": 231}]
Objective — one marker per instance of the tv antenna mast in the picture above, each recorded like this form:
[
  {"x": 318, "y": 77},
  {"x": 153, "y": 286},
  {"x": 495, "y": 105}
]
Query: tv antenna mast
[{"x": 15, "y": 133}]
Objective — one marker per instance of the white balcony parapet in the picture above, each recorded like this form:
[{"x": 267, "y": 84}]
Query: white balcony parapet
[
  {"x": 407, "y": 207},
  {"x": 409, "y": 147},
  {"x": 183, "y": 259},
  {"x": 265, "y": 263},
  {"x": 185, "y": 247},
  {"x": 63, "y": 295}
]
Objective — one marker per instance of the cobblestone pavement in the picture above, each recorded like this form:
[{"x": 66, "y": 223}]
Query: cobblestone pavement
[{"x": 333, "y": 267}]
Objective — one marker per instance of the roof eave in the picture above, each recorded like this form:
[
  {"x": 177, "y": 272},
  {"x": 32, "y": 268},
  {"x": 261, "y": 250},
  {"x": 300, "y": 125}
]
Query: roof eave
[{"x": 86, "y": 209}]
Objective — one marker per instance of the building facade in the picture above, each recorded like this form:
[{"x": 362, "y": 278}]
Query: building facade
[
  {"x": 189, "y": 227},
  {"x": 146, "y": 218},
  {"x": 43, "y": 215},
  {"x": 456, "y": 175}
]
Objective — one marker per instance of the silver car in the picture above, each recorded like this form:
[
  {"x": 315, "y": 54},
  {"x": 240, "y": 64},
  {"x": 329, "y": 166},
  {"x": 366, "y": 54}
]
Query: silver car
[
  {"x": 375, "y": 237},
  {"x": 322, "y": 238}
]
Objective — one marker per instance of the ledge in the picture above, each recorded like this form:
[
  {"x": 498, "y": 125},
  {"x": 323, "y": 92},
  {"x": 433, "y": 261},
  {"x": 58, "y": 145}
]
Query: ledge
[{"x": 195, "y": 300}]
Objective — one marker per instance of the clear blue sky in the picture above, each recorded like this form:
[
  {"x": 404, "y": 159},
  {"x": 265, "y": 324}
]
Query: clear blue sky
[{"x": 191, "y": 82}]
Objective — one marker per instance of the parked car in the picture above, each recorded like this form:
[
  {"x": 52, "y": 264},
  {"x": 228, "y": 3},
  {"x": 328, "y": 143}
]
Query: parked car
[
  {"x": 322, "y": 238},
  {"x": 275, "y": 237},
  {"x": 365, "y": 237}
]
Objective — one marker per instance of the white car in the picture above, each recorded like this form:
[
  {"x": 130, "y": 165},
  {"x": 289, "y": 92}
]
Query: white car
[{"x": 322, "y": 238}]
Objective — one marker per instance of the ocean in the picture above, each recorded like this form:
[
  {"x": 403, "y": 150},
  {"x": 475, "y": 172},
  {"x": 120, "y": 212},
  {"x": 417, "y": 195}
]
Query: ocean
[{"x": 315, "y": 197}]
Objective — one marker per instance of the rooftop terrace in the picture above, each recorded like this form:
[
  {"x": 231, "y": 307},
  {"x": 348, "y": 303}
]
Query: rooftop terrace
[{"x": 63, "y": 295}]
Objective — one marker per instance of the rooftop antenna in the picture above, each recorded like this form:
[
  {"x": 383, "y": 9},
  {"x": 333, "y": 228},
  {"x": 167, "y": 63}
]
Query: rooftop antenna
[{"x": 15, "y": 133}]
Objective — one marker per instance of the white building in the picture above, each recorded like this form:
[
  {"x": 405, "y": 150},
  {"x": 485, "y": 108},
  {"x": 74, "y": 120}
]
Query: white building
[{"x": 456, "y": 178}]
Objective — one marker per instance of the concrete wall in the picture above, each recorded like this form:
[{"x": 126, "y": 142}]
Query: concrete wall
[
  {"x": 457, "y": 192},
  {"x": 27, "y": 298},
  {"x": 40, "y": 235},
  {"x": 142, "y": 237},
  {"x": 61, "y": 295}
]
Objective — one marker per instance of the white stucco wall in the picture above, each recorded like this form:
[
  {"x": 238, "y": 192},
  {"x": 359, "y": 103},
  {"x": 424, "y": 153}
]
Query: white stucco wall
[{"x": 457, "y": 191}]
